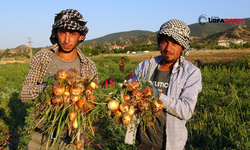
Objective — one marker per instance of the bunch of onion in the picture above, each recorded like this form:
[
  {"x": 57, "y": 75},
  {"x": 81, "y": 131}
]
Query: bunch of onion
[
  {"x": 135, "y": 100},
  {"x": 72, "y": 98}
]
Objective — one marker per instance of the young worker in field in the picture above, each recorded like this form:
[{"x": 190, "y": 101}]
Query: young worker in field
[
  {"x": 177, "y": 82},
  {"x": 198, "y": 62},
  {"x": 121, "y": 65},
  {"x": 68, "y": 31}
]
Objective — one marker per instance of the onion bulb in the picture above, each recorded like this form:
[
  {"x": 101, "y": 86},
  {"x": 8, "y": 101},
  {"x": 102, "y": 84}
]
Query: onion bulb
[
  {"x": 137, "y": 94},
  {"x": 113, "y": 105},
  {"x": 72, "y": 115},
  {"x": 93, "y": 85},
  {"x": 131, "y": 110},
  {"x": 75, "y": 90},
  {"x": 81, "y": 102},
  {"x": 124, "y": 107},
  {"x": 57, "y": 100},
  {"x": 117, "y": 113},
  {"x": 73, "y": 72},
  {"x": 58, "y": 90},
  {"x": 75, "y": 124},
  {"x": 133, "y": 85},
  {"x": 144, "y": 105},
  {"x": 126, "y": 119},
  {"x": 75, "y": 98},
  {"x": 126, "y": 98},
  {"x": 66, "y": 98},
  {"x": 78, "y": 143},
  {"x": 148, "y": 92},
  {"x": 157, "y": 105},
  {"x": 61, "y": 75},
  {"x": 88, "y": 106}
]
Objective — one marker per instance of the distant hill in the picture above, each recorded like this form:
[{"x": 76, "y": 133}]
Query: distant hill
[
  {"x": 120, "y": 35},
  {"x": 148, "y": 37},
  {"x": 238, "y": 32}
]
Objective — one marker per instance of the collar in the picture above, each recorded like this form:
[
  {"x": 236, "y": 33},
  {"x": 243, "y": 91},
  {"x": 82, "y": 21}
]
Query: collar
[
  {"x": 82, "y": 57},
  {"x": 176, "y": 66}
]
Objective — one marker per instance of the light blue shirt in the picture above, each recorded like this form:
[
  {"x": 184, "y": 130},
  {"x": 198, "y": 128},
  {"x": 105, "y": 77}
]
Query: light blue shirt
[{"x": 184, "y": 86}]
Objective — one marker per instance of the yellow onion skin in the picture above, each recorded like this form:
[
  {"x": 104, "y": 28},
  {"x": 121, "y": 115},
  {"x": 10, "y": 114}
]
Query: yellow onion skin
[
  {"x": 131, "y": 110},
  {"x": 66, "y": 98},
  {"x": 126, "y": 98},
  {"x": 88, "y": 106},
  {"x": 72, "y": 115},
  {"x": 144, "y": 105},
  {"x": 137, "y": 94},
  {"x": 58, "y": 90},
  {"x": 113, "y": 105},
  {"x": 75, "y": 98},
  {"x": 61, "y": 75},
  {"x": 75, "y": 90},
  {"x": 75, "y": 124},
  {"x": 157, "y": 105},
  {"x": 73, "y": 72},
  {"x": 78, "y": 144},
  {"x": 90, "y": 97},
  {"x": 126, "y": 119},
  {"x": 57, "y": 100},
  {"x": 88, "y": 91},
  {"x": 148, "y": 92},
  {"x": 81, "y": 87},
  {"x": 81, "y": 102},
  {"x": 93, "y": 85},
  {"x": 117, "y": 113},
  {"x": 124, "y": 107},
  {"x": 133, "y": 85}
]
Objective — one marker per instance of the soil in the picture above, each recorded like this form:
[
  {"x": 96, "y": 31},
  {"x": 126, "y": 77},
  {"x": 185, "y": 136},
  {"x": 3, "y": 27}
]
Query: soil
[{"x": 204, "y": 55}]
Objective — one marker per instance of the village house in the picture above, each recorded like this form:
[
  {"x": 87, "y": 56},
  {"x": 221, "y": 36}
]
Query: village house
[
  {"x": 117, "y": 47},
  {"x": 226, "y": 42}
]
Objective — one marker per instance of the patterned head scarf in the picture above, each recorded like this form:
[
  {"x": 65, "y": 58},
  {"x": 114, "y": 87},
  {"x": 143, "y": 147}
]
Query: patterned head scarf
[
  {"x": 68, "y": 19},
  {"x": 180, "y": 32}
]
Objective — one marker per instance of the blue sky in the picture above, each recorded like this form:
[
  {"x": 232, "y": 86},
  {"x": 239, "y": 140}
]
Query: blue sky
[{"x": 21, "y": 19}]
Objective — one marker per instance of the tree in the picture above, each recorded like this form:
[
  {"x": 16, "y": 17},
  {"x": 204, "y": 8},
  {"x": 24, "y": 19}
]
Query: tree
[
  {"x": 87, "y": 50},
  {"x": 95, "y": 52},
  {"x": 246, "y": 45}
]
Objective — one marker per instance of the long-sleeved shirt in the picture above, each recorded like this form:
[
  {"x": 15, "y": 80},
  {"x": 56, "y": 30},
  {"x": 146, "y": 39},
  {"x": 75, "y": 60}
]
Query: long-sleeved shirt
[
  {"x": 39, "y": 65},
  {"x": 183, "y": 89}
]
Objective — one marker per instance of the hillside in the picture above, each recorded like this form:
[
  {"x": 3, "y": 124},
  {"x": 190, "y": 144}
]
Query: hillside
[
  {"x": 120, "y": 35},
  {"x": 238, "y": 32},
  {"x": 197, "y": 31},
  {"x": 204, "y": 34}
]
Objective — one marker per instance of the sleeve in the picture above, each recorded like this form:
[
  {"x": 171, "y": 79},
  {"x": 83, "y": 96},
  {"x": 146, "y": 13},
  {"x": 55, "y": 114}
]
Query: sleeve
[
  {"x": 31, "y": 88},
  {"x": 92, "y": 71},
  {"x": 183, "y": 106},
  {"x": 137, "y": 73}
]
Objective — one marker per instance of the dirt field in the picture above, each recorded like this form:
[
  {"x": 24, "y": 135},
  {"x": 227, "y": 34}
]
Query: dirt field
[{"x": 204, "y": 55}]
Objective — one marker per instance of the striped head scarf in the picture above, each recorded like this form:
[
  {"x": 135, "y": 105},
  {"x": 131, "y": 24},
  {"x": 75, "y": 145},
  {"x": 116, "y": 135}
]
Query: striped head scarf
[
  {"x": 68, "y": 19},
  {"x": 180, "y": 32}
]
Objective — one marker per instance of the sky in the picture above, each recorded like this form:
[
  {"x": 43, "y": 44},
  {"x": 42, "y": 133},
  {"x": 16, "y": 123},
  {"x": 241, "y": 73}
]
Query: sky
[{"x": 21, "y": 19}]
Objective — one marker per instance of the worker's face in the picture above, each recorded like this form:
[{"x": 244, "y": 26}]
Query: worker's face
[
  {"x": 170, "y": 49},
  {"x": 68, "y": 39}
]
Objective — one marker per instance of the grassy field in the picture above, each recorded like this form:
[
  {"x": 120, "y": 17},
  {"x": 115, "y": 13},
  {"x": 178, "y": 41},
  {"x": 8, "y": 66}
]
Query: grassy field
[{"x": 220, "y": 121}]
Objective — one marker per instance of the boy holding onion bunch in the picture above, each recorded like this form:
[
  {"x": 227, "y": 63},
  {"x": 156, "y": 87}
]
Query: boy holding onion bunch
[
  {"x": 176, "y": 83},
  {"x": 68, "y": 31}
]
